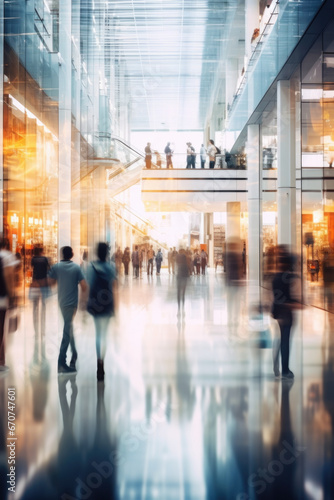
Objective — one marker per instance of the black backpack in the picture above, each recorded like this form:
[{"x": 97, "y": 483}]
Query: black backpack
[
  {"x": 100, "y": 301},
  {"x": 218, "y": 152},
  {"x": 3, "y": 288}
]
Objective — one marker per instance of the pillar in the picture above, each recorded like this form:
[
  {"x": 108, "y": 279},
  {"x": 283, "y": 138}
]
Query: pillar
[
  {"x": 233, "y": 229},
  {"x": 286, "y": 174},
  {"x": 65, "y": 136},
  {"x": 254, "y": 168}
]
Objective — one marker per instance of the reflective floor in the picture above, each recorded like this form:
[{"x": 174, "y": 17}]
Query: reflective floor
[{"x": 189, "y": 409}]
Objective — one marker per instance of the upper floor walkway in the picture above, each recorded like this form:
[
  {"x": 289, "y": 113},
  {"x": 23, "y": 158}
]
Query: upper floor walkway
[{"x": 198, "y": 190}]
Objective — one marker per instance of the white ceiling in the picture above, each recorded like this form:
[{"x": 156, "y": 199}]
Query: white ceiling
[{"x": 175, "y": 57}]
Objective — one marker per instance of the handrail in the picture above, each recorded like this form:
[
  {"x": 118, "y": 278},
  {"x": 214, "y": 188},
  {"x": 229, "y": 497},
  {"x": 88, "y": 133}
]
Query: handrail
[
  {"x": 161, "y": 245},
  {"x": 125, "y": 207},
  {"x": 255, "y": 54}
]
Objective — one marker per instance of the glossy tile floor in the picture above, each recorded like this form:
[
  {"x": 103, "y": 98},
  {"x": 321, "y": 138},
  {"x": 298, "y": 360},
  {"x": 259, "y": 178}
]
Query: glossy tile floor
[{"x": 189, "y": 409}]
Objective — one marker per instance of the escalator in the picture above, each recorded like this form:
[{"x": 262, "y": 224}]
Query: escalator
[
  {"x": 142, "y": 227},
  {"x": 123, "y": 167},
  {"x": 127, "y": 171}
]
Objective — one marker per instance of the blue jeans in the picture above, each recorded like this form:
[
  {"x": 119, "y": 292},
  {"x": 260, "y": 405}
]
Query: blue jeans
[
  {"x": 101, "y": 329},
  {"x": 68, "y": 338}
]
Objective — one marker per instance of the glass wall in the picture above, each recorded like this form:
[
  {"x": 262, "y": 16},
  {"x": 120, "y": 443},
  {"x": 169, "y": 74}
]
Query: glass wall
[
  {"x": 30, "y": 132},
  {"x": 269, "y": 193},
  {"x": 60, "y": 96},
  {"x": 317, "y": 122}
]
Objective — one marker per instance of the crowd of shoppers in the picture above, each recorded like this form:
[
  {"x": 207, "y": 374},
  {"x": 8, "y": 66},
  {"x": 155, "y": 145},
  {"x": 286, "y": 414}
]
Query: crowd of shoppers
[{"x": 97, "y": 281}]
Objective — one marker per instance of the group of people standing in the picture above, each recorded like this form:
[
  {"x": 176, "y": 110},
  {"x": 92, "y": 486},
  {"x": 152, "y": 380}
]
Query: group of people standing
[
  {"x": 142, "y": 257},
  {"x": 149, "y": 154},
  {"x": 211, "y": 151},
  {"x": 196, "y": 260}
]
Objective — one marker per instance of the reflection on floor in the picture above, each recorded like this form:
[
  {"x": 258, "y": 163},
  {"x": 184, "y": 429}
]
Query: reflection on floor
[{"x": 189, "y": 409}]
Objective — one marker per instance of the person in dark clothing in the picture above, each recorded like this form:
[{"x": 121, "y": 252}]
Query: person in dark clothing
[
  {"x": 126, "y": 260},
  {"x": 169, "y": 154},
  {"x": 189, "y": 155},
  {"x": 283, "y": 286},
  {"x": 39, "y": 290},
  {"x": 204, "y": 261},
  {"x": 158, "y": 261},
  {"x": 135, "y": 261},
  {"x": 182, "y": 274},
  {"x": 148, "y": 155},
  {"x": 101, "y": 277}
]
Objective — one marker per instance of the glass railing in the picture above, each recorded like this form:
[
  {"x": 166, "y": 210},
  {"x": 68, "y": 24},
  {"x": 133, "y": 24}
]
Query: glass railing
[{"x": 269, "y": 57}]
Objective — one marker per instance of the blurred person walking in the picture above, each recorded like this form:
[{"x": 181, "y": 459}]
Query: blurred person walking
[
  {"x": 328, "y": 275},
  {"x": 182, "y": 274},
  {"x": 7, "y": 276},
  {"x": 233, "y": 270},
  {"x": 204, "y": 261},
  {"x": 126, "y": 260},
  {"x": 39, "y": 289},
  {"x": 158, "y": 261},
  {"x": 150, "y": 257},
  {"x": 101, "y": 300},
  {"x": 118, "y": 261},
  {"x": 197, "y": 263},
  {"x": 68, "y": 276},
  {"x": 169, "y": 258},
  {"x": 135, "y": 262},
  {"x": 193, "y": 157},
  {"x": 174, "y": 256},
  {"x": 285, "y": 293},
  {"x": 189, "y": 256},
  {"x": 148, "y": 155},
  {"x": 189, "y": 152}
]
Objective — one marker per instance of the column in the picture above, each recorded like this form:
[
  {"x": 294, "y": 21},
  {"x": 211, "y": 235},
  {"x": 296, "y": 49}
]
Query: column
[
  {"x": 65, "y": 82},
  {"x": 286, "y": 172},
  {"x": 254, "y": 209},
  {"x": 76, "y": 135},
  {"x": 233, "y": 220},
  {"x": 1, "y": 111}
]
